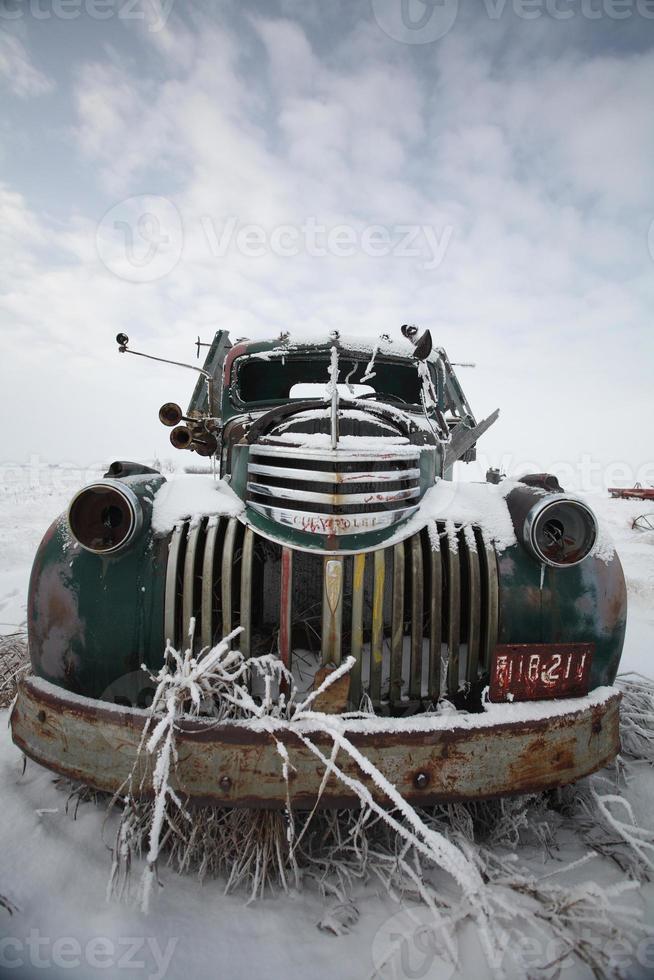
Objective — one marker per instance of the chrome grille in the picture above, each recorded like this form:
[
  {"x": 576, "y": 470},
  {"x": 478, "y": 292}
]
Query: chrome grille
[
  {"x": 336, "y": 492},
  {"x": 420, "y": 617}
]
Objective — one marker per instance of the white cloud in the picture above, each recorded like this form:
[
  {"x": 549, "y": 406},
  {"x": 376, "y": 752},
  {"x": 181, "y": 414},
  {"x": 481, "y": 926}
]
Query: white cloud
[
  {"x": 542, "y": 172},
  {"x": 17, "y": 70}
]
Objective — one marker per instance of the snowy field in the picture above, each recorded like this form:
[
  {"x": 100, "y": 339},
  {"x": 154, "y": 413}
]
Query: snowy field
[{"x": 54, "y": 868}]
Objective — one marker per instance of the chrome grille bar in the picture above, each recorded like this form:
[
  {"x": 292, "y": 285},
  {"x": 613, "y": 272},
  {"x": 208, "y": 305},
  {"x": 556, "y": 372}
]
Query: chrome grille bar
[
  {"x": 277, "y": 486},
  {"x": 323, "y": 476},
  {"x": 336, "y": 499},
  {"x": 394, "y": 455}
]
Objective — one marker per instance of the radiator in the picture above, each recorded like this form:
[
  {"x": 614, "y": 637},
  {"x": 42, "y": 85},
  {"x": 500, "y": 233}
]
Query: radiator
[{"x": 420, "y": 617}]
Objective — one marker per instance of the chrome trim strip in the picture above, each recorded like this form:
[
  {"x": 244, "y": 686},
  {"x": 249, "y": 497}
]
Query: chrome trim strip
[
  {"x": 246, "y": 592},
  {"x": 474, "y": 604},
  {"x": 454, "y": 613},
  {"x": 170, "y": 599},
  {"x": 342, "y": 476},
  {"x": 337, "y": 456},
  {"x": 226, "y": 577},
  {"x": 208, "y": 582},
  {"x": 332, "y": 610},
  {"x": 188, "y": 588},
  {"x": 329, "y": 524},
  {"x": 377, "y": 634},
  {"x": 356, "y": 643},
  {"x": 417, "y": 592},
  {"x": 336, "y": 499},
  {"x": 397, "y": 624}
]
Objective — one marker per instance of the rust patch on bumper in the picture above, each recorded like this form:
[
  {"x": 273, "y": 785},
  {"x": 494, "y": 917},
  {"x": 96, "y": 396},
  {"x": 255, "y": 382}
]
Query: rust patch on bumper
[{"x": 229, "y": 765}]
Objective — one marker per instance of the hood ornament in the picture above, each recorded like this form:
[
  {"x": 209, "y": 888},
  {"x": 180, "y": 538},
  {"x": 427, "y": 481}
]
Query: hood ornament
[{"x": 333, "y": 386}]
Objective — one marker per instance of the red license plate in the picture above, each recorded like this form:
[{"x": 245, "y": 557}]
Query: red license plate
[{"x": 533, "y": 671}]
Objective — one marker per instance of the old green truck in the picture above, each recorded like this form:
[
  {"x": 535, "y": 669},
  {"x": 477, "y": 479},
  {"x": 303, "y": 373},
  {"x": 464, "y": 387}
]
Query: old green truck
[{"x": 485, "y": 621}]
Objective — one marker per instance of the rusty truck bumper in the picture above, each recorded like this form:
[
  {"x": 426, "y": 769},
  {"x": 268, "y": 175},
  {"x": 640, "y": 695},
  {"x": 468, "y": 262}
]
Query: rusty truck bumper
[{"x": 508, "y": 750}]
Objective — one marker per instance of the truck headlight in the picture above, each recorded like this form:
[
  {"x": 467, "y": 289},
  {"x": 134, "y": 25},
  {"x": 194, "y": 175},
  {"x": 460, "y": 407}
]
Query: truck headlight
[
  {"x": 104, "y": 517},
  {"x": 560, "y": 531}
]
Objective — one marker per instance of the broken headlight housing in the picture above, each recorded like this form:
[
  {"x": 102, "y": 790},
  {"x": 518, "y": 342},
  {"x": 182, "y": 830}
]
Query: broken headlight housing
[
  {"x": 560, "y": 531},
  {"x": 104, "y": 517}
]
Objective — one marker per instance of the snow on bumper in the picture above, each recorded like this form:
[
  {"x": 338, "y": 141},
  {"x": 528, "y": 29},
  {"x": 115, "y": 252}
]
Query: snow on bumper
[{"x": 507, "y": 750}]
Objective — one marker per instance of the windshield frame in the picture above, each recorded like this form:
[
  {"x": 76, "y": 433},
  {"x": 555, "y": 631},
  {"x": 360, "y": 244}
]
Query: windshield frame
[{"x": 321, "y": 356}]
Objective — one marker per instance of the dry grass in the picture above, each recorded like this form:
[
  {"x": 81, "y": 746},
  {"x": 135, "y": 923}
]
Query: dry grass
[{"x": 14, "y": 660}]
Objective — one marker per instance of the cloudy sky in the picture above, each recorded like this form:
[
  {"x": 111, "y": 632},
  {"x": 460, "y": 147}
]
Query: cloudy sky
[{"x": 484, "y": 169}]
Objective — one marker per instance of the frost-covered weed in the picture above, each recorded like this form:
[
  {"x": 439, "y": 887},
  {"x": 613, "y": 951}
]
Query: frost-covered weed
[{"x": 460, "y": 861}]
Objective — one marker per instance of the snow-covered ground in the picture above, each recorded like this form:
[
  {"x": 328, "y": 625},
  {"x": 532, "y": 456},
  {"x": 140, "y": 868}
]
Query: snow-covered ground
[{"x": 54, "y": 868}]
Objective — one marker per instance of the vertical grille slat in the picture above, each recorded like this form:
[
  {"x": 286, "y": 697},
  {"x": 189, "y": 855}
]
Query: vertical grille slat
[
  {"x": 356, "y": 642},
  {"x": 286, "y": 608},
  {"x": 491, "y": 605},
  {"x": 227, "y": 576},
  {"x": 332, "y": 610},
  {"x": 246, "y": 592},
  {"x": 189, "y": 605},
  {"x": 208, "y": 565},
  {"x": 171, "y": 634},
  {"x": 397, "y": 624},
  {"x": 434, "y": 595},
  {"x": 377, "y": 634},
  {"x": 435, "y": 612},
  {"x": 453, "y": 611},
  {"x": 417, "y": 620},
  {"x": 474, "y": 605}
]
